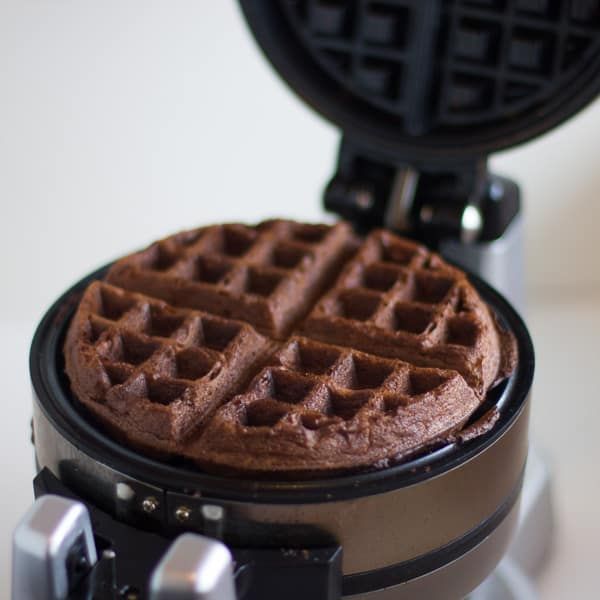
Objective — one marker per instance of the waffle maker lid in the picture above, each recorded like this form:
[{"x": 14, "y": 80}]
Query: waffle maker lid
[{"x": 438, "y": 81}]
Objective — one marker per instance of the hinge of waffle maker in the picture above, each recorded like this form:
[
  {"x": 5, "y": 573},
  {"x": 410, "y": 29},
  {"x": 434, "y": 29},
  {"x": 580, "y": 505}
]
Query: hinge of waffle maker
[
  {"x": 460, "y": 201},
  {"x": 458, "y": 208}
]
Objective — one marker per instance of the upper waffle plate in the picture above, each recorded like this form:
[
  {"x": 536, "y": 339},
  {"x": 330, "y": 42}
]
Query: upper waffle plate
[
  {"x": 424, "y": 80},
  {"x": 285, "y": 349}
]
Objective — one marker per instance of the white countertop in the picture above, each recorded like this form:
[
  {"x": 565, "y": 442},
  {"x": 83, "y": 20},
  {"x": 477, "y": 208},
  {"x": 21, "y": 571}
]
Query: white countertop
[{"x": 565, "y": 419}]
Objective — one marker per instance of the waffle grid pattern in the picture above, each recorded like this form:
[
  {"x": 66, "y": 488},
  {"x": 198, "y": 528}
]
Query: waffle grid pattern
[
  {"x": 318, "y": 385},
  {"x": 395, "y": 299},
  {"x": 493, "y": 57},
  {"x": 173, "y": 363},
  {"x": 256, "y": 274},
  {"x": 504, "y": 53}
]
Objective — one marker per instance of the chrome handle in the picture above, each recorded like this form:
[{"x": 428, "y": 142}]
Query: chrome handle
[
  {"x": 52, "y": 545},
  {"x": 194, "y": 568}
]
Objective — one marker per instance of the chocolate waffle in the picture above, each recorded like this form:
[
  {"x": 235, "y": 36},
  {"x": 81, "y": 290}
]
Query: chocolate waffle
[{"x": 285, "y": 349}]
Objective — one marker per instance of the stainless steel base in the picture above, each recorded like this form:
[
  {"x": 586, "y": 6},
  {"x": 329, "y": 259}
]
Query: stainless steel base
[
  {"x": 534, "y": 538},
  {"x": 528, "y": 551},
  {"x": 375, "y": 530},
  {"x": 457, "y": 579},
  {"x": 509, "y": 581}
]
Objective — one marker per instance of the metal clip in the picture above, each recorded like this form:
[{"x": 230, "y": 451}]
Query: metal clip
[{"x": 53, "y": 548}]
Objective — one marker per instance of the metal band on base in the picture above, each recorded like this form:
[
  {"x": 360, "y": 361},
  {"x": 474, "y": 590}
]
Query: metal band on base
[
  {"x": 375, "y": 530},
  {"x": 427, "y": 576},
  {"x": 460, "y": 576}
]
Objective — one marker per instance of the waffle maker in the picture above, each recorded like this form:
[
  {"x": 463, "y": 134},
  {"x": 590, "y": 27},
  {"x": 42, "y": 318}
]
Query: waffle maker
[{"x": 423, "y": 92}]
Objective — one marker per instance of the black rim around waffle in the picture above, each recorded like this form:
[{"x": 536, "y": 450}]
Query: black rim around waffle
[
  {"x": 52, "y": 390},
  {"x": 439, "y": 80}
]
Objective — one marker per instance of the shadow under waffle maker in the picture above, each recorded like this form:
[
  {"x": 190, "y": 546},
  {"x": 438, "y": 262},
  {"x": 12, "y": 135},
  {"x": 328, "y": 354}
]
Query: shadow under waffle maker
[{"x": 422, "y": 92}]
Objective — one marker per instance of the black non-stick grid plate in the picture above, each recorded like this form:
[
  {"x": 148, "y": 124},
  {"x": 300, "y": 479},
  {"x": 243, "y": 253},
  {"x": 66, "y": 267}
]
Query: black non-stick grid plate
[{"x": 425, "y": 73}]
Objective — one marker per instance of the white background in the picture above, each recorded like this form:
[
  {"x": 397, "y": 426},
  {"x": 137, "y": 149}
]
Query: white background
[{"x": 122, "y": 121}]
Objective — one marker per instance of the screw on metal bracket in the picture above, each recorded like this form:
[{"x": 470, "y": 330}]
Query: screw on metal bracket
[
  {"x": 150, "y": 504},
  {"x": 183, "y": 514}
]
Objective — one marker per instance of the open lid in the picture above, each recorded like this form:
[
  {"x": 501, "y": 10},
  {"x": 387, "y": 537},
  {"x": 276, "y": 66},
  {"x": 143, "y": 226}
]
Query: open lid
[{"x": 428, "y": 81}]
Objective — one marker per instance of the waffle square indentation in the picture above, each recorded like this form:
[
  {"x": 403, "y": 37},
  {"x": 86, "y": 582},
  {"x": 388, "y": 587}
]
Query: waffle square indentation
[
  {"x": 462, "y": 331},
  {"x": 431, "y": 288},
  {"x": 165, "y": 391},
  {"x": 118, "y": 373},
  {"x": 162, "y": 323},
  {"x": 385, "y": 24},
  {"x": 262, "y": 282},
  {"x": 284, "y": 386},
  {"x": 357, "y": 305},
  {"x": 310, "y": 358},
  {"x": 477, "y": 40},
  {"x": 531, "y": 50},
  {"x": 368, "y": 373},
  {"x": 128, "y": 348},
  {"x": 235, "y": 240},
  {"x": 287, "y": 255},
  {"x": 159, "y": 257},
  {"x": 219, "y": 334},
  {"x": 347, "y": 403},
  {"x": 381, "y": 276},
  {"x": 208, "y": 269},
  {"x": 113, "y": 305},
  {"x": 411, "y": 319},
  {"x": 329, "y": 17},
  {"x": 192, "y": 364}
]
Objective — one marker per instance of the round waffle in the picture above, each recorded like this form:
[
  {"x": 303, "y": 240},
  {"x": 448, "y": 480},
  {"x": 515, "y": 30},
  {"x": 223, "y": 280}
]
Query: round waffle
[{"x": 285, "y": 349}]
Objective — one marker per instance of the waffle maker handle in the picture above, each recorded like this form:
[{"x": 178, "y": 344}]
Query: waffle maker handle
[
  {"x": 54, "y": 558},
  {"x": 67, "y": 549}
]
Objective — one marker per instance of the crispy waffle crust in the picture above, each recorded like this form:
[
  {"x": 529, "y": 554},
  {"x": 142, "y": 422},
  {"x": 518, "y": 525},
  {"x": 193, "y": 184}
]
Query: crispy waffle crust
[{"x": 285, "y": 349}]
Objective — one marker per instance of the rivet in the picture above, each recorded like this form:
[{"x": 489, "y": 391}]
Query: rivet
[
  {"x": 183, "y": 514},
  {"x": 212, "y": 512},
  {"x": 150, "y": 504},
  {"x": 125, "y": 492}
]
